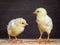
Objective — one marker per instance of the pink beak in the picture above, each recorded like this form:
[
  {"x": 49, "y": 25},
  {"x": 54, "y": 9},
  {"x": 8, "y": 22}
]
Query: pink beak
[{"x": 34, "y": 12}]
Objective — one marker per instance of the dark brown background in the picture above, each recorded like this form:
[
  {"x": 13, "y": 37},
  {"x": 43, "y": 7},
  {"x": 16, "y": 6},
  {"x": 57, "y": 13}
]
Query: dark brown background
[{"x": 10, "y": 9}]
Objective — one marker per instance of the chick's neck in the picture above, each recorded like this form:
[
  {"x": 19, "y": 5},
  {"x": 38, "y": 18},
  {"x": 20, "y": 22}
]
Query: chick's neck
[{"x": 41, "y": 15}]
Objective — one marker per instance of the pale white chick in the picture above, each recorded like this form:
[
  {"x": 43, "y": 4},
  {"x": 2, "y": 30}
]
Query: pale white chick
[
  {"x": 16, "y": 27},
  {"x": 43, "y": 21}
]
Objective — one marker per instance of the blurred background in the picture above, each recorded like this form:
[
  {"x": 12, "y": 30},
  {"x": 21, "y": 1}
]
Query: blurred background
[{"x": 10, "y": 9}]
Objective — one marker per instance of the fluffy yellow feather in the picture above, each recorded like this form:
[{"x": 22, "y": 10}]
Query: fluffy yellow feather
[
  {"x": 43, "y": 21},
  {"x": 16, "y": 27}
]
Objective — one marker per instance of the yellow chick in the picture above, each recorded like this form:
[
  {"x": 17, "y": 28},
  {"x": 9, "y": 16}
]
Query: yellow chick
[
  {"x": 43, "y": 21},
  {"x": 16, "y": 27}
]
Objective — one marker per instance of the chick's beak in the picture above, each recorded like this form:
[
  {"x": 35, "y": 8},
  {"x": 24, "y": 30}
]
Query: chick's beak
[
  {"x": 34, "y": 12},
  {"x": 27, "y": 24}
]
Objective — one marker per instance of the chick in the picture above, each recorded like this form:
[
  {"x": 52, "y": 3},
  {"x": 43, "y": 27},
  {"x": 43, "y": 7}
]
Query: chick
[
  {"x": 16, "y": 27},
  {"x": 43, "y": 21}
]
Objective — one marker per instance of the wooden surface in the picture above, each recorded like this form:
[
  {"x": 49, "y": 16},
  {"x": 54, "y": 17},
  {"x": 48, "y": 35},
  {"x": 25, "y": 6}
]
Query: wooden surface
[{"x": 30, "y": 42}]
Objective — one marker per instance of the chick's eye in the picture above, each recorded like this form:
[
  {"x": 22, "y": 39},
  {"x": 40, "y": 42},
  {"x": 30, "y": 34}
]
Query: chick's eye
[
  {"x": 37, "y": 11},
  {"x": 22, "y": 23}
]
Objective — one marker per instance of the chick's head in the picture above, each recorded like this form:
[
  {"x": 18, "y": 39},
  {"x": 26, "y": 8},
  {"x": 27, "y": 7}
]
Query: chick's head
[
  {"x": 40, "y": 11},
  {"x": 21, "y": 22}
]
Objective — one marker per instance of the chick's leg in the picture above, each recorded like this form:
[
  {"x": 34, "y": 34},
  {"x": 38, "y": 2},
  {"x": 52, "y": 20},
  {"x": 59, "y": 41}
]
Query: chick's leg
[
  {"x": 18, "y": 40},
  {"x": 40, "y": 35},
  {"x": 15, "y": 40},
  {"x": 40, "y": 38},
  {"x": 9, "y": 40},
  {"x": 9, "y": 37},
  {"x": 48, "y": 37}
]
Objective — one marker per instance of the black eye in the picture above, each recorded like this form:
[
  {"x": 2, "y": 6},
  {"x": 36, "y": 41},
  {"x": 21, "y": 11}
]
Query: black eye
[
  {"x": 37, "y": 11},
  {"x": 22, "y": 23}
]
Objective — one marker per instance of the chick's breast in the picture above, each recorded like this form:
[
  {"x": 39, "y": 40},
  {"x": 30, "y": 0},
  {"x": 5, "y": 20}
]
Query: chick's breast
[
  {"x": 15, "y": 31},
  {"x": 44, "y": 24}
]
